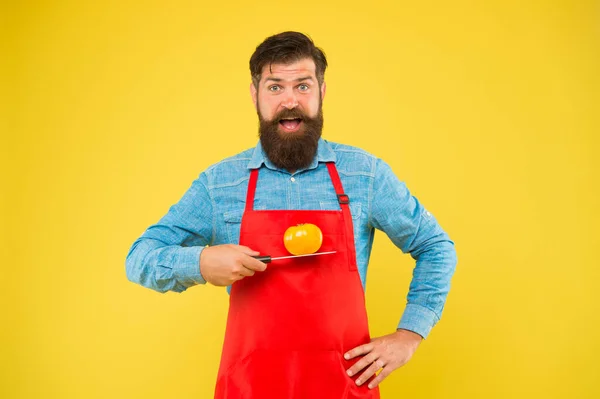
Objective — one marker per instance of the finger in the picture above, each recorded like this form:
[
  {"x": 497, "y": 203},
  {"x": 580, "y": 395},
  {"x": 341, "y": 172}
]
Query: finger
[
  {"x": 247, "y": 250},
  {"x": 381, "y": 376},
  {"x": 362, "y": 363},
  {"x": 376, "y": 365},
  {"x": 358, "y": 351},
  {"x": 245, "y": 272},
  {"x": 253, "y": 264}
]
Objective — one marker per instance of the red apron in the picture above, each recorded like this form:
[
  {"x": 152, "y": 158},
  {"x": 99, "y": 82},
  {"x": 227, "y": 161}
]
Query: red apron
[{"x": 289, "y": 327}]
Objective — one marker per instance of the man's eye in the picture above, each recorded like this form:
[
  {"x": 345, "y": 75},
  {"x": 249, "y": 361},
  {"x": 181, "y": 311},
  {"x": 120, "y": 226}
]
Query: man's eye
[
  {"x": 303, "y": 87},
  {"x": 274, "y": 88}
]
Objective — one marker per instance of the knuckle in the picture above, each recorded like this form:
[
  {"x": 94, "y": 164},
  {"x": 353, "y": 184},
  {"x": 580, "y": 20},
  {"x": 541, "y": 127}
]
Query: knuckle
[
  {"x": 366, "y": 375},
  {"x": 358, "y": 366}
]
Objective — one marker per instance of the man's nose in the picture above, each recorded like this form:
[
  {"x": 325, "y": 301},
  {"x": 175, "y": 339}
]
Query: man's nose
[{"x": 290, "y": 101}]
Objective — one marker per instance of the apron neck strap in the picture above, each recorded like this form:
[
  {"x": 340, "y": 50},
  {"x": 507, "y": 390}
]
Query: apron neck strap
[
  {"x": 337, "y": 184},
  {"x": 344, "y": 200},
  {"x": 251, "y": 189}
]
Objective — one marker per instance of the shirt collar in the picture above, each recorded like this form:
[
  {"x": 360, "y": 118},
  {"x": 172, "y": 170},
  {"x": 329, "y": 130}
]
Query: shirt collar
[{"x": 324, "y": 154}]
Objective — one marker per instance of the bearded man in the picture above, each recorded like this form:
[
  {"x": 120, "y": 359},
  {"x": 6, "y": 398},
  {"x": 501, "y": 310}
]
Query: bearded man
[{"x": 297, "y": 327}]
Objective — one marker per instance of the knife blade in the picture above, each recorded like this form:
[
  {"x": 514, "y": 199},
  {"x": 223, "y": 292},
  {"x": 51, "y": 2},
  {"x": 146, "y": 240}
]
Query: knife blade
[{"x": 268, "y": 259}]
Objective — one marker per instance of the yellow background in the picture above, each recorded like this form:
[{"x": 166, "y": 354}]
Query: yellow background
[{"x": 488, "y": 110}]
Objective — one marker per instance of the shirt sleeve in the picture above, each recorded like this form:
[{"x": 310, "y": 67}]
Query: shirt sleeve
[
  {"x": 167, "y": 255},
  {"x": 414, "y": 230}
]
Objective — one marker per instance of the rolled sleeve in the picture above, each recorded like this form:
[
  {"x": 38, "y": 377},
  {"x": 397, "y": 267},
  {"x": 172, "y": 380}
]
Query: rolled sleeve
[
  {"x": 187, "y": 267},
  {"x": 418, "y": 319}
]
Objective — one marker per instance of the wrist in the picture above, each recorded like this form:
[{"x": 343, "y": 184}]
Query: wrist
[
  {"x": 202, "y": 261},
  {"x": 410, "y": 335}
]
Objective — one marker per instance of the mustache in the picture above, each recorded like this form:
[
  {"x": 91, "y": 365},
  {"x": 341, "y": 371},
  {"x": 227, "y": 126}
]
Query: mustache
[{"x": 286, "y": 113}]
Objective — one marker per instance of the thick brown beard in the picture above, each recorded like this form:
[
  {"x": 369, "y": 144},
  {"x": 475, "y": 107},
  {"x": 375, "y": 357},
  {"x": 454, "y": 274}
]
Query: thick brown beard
[{"x": 291, "y": 151}]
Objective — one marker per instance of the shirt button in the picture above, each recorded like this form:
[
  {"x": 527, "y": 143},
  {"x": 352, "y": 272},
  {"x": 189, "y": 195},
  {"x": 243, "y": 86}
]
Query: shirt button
[{"x": 292, "y": 179}]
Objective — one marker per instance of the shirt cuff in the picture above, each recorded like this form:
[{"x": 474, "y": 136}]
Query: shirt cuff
[
  {"x": 187, "y": 267},
  {"x": 418, "y": 319}
]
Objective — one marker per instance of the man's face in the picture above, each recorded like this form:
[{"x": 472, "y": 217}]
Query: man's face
[{"x": 288, "y": 102}]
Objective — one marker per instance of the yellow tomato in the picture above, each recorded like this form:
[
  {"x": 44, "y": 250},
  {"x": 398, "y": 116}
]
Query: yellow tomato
[{"x": 303, "y": 239}]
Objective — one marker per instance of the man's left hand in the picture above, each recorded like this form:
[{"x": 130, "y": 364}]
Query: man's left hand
[{"x": 386, "y": 353}]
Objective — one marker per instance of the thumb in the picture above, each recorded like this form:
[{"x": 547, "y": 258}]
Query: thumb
[{"x": 247, "y": 250}]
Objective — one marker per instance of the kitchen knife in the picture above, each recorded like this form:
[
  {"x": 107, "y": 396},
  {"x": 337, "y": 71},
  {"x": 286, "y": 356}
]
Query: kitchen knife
[{"x": 268, "y": 259}]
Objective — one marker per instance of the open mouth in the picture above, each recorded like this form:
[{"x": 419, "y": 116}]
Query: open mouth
[{"x": 290, "y": 124}]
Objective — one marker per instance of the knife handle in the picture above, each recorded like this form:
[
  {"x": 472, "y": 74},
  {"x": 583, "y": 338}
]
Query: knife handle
[{"x": 264, "y": 259}]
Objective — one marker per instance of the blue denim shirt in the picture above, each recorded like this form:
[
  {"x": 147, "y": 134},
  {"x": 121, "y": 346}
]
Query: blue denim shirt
[{"x": 166, "y": 257}]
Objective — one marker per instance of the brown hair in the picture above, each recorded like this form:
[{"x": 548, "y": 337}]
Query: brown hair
[{"x": 286, "y": 48}]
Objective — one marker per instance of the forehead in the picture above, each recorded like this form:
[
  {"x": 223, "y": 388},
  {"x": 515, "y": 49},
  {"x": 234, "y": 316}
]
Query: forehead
[{"x": 301, "y": 68}]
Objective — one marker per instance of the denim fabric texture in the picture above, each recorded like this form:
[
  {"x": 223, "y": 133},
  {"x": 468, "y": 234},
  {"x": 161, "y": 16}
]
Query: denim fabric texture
[{"x": 166, "y": 256}]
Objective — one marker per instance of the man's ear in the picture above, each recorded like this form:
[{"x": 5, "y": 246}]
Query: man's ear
[
  {"x": 253, "y": 93},
  {"x": 323, "y": 90}
]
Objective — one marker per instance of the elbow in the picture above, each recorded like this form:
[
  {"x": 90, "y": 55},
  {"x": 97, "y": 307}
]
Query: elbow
[
  {"x": 439, "y": 244},
  {"x": 137, "y": 266},
  {"x": 133, "y": 266},
  {"x": 444, "y": 252},
  {"x": 139, "y": 270},
  {"x": 439, "y": 256}
]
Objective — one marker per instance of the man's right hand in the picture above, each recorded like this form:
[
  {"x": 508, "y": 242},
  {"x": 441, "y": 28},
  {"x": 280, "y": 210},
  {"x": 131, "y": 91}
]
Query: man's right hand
[{"x": 222, "y": 265}]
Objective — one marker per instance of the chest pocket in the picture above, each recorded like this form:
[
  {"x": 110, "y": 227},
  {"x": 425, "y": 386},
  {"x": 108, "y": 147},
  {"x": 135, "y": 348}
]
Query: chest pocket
[
  {"x": 355, "y": 208},
  {"x": 233, "y": 221}
]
